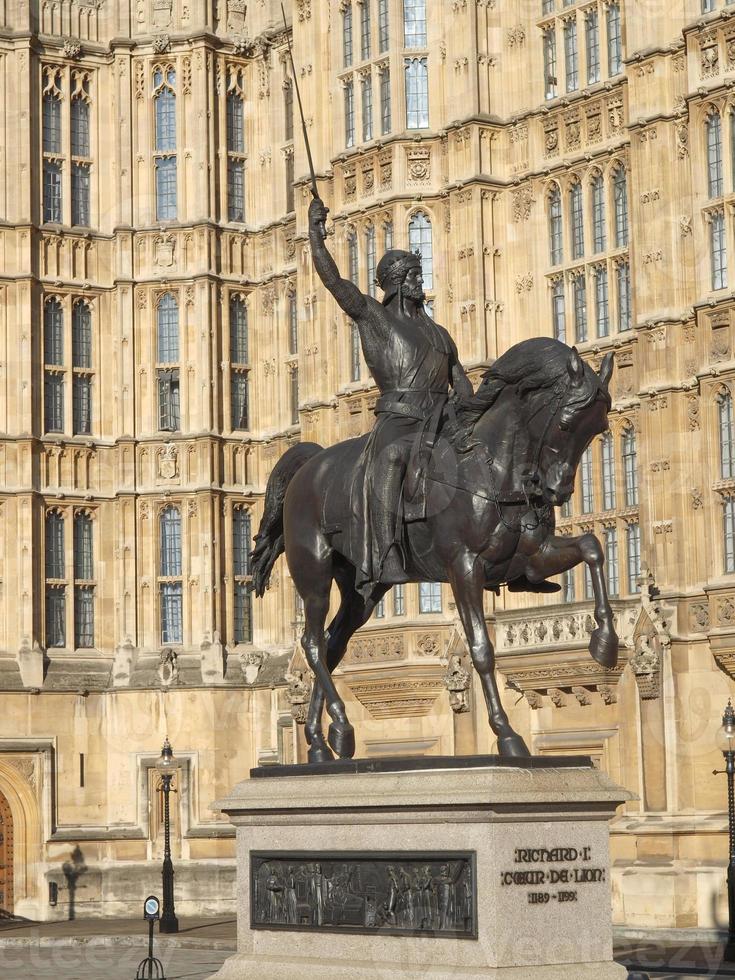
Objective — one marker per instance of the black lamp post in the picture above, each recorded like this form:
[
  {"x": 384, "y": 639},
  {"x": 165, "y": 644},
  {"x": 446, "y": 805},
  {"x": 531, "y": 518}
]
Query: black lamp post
[
  {"x": 726, "y": 743},
  {"x": 166, "y": 767}
]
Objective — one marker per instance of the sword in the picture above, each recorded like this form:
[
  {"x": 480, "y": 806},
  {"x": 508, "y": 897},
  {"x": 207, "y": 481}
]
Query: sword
[{"x": 314, "y": 188}]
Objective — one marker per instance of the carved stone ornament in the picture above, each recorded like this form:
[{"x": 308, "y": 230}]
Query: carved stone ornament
[
  {"x": 457, "y": 682},
  {"x": 418, "y": 165},
  {"x": 161, "y": 43},
  {"x": 72, "y": 48},
  {"x": 168, "y": 667},
  {"x": 523, "y": 200},
  {"x": 168, "y": 462},
  {"x": 298, "y": 694},
  {"x": 162, "y": 13},
  {"x": 251, "y": 663},
  {"x": 372, "y": 649},
  {"x": 646, "y": 666},
  {"x": 236, "y": 10},
  {"x": 164, "y": 246},
  {"x": 699, "y": 617}
]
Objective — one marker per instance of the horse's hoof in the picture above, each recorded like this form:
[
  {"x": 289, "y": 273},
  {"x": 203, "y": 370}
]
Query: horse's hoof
[
  {"x": 341, "y": 737},
  {"x": 319, "y": 753},
  {"x": 604, "y": 647},
  {"x": 513, "y": 746}
]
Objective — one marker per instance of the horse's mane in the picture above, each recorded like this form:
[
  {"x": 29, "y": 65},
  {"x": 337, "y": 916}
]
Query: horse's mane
[{"x": 540, "y": 363}]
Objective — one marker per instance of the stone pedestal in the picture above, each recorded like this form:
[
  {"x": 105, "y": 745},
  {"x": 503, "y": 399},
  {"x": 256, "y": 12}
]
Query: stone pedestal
[{"x": 538, "y": 837}]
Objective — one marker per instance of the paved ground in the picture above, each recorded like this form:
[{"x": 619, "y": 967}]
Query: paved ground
[
  {"x": 84, "y": 962},
  {"x": 217, "y": 932}
]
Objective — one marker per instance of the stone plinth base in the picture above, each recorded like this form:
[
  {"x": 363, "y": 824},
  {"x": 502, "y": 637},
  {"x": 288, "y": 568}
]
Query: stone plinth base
[{"x": 538, "y": 837}]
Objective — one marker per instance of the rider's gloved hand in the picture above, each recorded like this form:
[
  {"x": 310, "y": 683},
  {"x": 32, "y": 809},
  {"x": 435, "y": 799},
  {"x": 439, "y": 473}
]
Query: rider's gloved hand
[{"x": 318, "y": 212}]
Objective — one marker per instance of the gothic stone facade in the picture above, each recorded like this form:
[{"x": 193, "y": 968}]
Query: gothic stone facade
[{"x": 163, "y": 339}]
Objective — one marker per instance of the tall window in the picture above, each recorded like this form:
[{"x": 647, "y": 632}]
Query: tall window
[
  {"x": 598, "y": 214},
  {"x": 347, "y": 36},
  {"x": 602, "y": 303},
  {"x": 708, "y": 6},
  {"x": 567, "y": 586},
  {"x": 239, "y": 360},
  {"x": 417, "y": 93},
  {"x": 592, "y": 38},
  {"x": 83, "y": 581},
  {"x": 579, "y": 291},
  {"x": 630, "y": 468},
  {"x": 718, "y": 250},
  {"x": 571, "y": 55},
  {"x": 169, "y": 413},
  {"x": 52, "y": 146},
  {"x": 349, "y": 113},
  {"x": 383, "y": 26},
  {"x": 380, "y": 609},
  {"x": 293, "y": 324},
  {"x": 55, "y": 581},
  {"x": 289, "y": 175},
  {"x": 608, "y": 472},
  {"x": 287, "y": 109},
  {"x": 399, "y": 600},
  {"x": 587, "y": 483},
  {"x": 589, "y": 592},
  {"x": 622, "y": 274},
  {"x": 558, "y": 312},
  {"x": 612, "y": 572},
  {"x": 370, "y": 259},
  {"x": 729, "y": 535},
  {"x": 385, "y": 101},
  {"x": 81, "y": 337},
  {"x": 353, "y": 259},
  {"x": 294, "y": 371},
  {"x": 556, "y": 242},
  {"x": 365, "y": 29},
  {"x": 241, "y": 544},
  {"x": 355, "y": 364},
  {"x": 430, "y": 597},
  {"x": 53, "y": 345},
  {"x": 620, "y": 196},
  {"x": 367, "y": 105},
  {"x": 614, "y": 40},
  {"x": 575, "y": 206},
  {"x": 236, "y": 147},
  {"x": 727, "y": 436},
  {"x": 164, "y": 101},
  {"x": 388, "y": 235},
  {"x": 414, "y": 23},
  {"x": 80, "y": 150},
  {"x": 633, "y": 536},
  {"x": 170, "y": 581},
  {"x": 714, "y": 155},
  {"x": 550, "y": 80},
  {"x": 420, "y": 240}
]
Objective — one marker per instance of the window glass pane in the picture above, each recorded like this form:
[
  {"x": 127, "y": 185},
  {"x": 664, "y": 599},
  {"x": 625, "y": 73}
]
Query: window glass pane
[
  {"x": 354, "y": 352},
  {"x": 83, "y": 552},
  {"x": 399, "y": 600},
  {"x": 53, "y": 397},
  {"x": 53, "y": 333},
  {"x": 165, "y": 108},
  {"x": 579, "y": 289},
  {"x": 235, "y": 124},
  {"x": 288, "y": 110},
  {"x": 55, "y": 554},
  {"x": 385, "y": 102},
  {"x": 633, "y": 535},
  {"x": 587, "y": 483},
  {"x": 347, "y": 36},
  {"x": 727, "y": 437},
  {"x": 714, "y": 155},
  {"x": 289, "y": 182},
  {"x": 602, "y": 304},
  {"x": 238, "y": 331},
  {"x": 51, "y": 124},
  {"x": 365, "y": 29},
  {"x": 56, "y": 616},
  {"x": 168, "y": 401},
  {"x": 414, "y": 23},
  {"x": 624, "y": 309},
  {"x": 168, "y": 330},
  {"x": 592, "y": 33},
  {"x": 79, "y": 128},
  {"x": 729, "y": 518},
  {"x": 166, "y": 188},
  {"x": 235, "y": 190},
  {"x": 370, "y": 260},
  {"x": 575, "y": 200},
  {"x": 620, "y": 191},
  {"x": 555, "y": 227},
  {"x": 293, "y": 324},
  {"x": 558, "y": 312},
  {"x": 608, "y": 472},
  {"x": 172, "y": 630},
  {"x": 239, "y": 389},
  {"x": 420, "y": 240},
  {"x": 417, "y": 93},
  {"x": 51, "y": 191},
  {"x": 352, "y": 260},
  {"x": 294, "y": 396},
  {"x": 550, "y": 81},
  {"x": 81, "y": 336},
  {"x": 80, "y": 194},
  {"x": 349, "y": 114},
  {"x": 388, "y": 235},
  {"x": 430, "y": 597},
  {"x": 598, "y": 213},
  {"x": 718, "y": 250},
  {"x": 243, "y": 613},
  {"x": 170, "y": 527},
  {"x": 614, "y": 40},
  {"x": 82, "y": 404},
  {"x": 241, "y": 541},
  {"x": 367, "y": 109},
  {"x": 571, "y": 55},
  {"x": 612, "y": 572},
  {"x": 567, "y": 586},
  {"x": 630, "y": 468},
  {"x": 383, "y": 26},
  {"x": 83, "y": 616}
]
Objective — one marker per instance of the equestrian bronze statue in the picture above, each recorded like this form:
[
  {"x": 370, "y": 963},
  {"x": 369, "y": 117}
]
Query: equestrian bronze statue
[{"x": 455, "y": 487}]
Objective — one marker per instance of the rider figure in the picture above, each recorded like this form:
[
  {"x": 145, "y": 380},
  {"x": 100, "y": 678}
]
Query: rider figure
[{"x": 413, "y": 361}]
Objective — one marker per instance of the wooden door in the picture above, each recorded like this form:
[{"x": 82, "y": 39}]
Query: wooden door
[{"x": 6, "y": 858}]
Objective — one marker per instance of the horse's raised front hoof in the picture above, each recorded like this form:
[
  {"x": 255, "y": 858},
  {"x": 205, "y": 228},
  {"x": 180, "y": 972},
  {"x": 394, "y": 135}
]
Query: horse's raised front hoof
[
  {"x": 604, "y": 646},
  {"x": 319, "y": 752},
  {"x": 513, "y": 746},
  {"x": 341, "y": 737}
]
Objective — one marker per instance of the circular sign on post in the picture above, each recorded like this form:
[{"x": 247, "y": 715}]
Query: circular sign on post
[{"x": 151, "y": 908}]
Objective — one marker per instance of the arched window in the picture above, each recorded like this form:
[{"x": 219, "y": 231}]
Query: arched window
[
  {"x": 558, "y": 310},
  {"x": 239, "y": 375},
  {"x": 575, "y": 208},
  {"x": 81, "y": 344},
  {"x": 53, "y": 333},
  {"x": 370, "y": 259},
  {"x": 420, "y": 240},
  {"x": 630, "y": 467},
  {"x": 727, "y": 436},
  {"x": 235, "y": 148},
  {"x": 417, "y": 93},
  {"x": 620, "y": 196},
  {"x": 714, "y": 154},
  {"x": 52, "y": 145},
  {"x": 612, "y": 571},
  {"x": 633, "y": 535},
  {"x": 83, "y": 552},
  {"x": 238, "y": 330},
  {"x": 168, "y": 330},
  {"x": 164, "y": 100},
  {"x": 347, "y": 36},
  {"x": 241, "y": 544},
  {"x": 80, "y": 151},
  {"x": 55, "y": 576},
  {"x": 587, "y": 484},
  {"x": 598, "y": 213},
  {"x": 556, "y": 242},
  {"x": 83, "y": 577},
  {"x": 293, "y": 324},
  {"x": 170, "y": 571},
  {"x": 608, "y": 472},
  {"x": 53, "y": 355},
  {"x": 55, "y": 560}
]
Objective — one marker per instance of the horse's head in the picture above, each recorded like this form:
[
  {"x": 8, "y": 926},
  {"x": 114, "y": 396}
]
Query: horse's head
[{"x": 579, "y": 406}]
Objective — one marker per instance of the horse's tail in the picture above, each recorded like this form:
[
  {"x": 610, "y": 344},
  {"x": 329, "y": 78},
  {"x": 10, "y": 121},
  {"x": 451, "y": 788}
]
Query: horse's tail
[{"x": 269, "y": 544}]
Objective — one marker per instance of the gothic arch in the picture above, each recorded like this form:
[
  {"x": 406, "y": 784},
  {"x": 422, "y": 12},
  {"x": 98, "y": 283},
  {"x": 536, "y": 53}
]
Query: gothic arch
[{"x": 15, "y": 786}]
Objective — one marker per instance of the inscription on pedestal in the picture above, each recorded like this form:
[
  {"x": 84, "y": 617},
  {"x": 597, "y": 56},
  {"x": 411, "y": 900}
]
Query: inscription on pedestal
[
  {"x": 407, "y": 893},
  {"x": 552, "y": 874}
]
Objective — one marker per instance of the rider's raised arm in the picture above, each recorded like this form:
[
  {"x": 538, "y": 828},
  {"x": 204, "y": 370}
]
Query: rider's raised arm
[{"x": 347, "y": 294}]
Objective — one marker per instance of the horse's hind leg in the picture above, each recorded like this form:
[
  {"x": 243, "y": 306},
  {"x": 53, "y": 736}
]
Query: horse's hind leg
[{"x": 353, "y": 613}]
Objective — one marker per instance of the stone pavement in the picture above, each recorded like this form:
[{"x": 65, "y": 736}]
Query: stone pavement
[{"x": 82, "y": 961}]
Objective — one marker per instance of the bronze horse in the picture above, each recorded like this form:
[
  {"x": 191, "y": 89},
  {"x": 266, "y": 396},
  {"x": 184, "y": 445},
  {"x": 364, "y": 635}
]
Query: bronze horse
[{"x": 489, "y": 521}]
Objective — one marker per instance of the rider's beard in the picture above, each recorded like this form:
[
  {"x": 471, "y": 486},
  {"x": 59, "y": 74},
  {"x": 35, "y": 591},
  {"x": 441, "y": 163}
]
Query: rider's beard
[{"x": 414, "y": 293}]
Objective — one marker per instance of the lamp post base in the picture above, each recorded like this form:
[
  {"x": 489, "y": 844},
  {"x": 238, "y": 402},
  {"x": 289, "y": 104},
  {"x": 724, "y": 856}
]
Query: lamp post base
[{"x": 168, "y": 923}]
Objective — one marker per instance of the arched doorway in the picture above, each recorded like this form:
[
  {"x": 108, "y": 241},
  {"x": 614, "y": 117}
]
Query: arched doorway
[{"x": 6, "y": 858}]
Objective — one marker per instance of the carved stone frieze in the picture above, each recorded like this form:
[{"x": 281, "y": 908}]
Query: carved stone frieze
[{"x": 376, "y": 649}]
